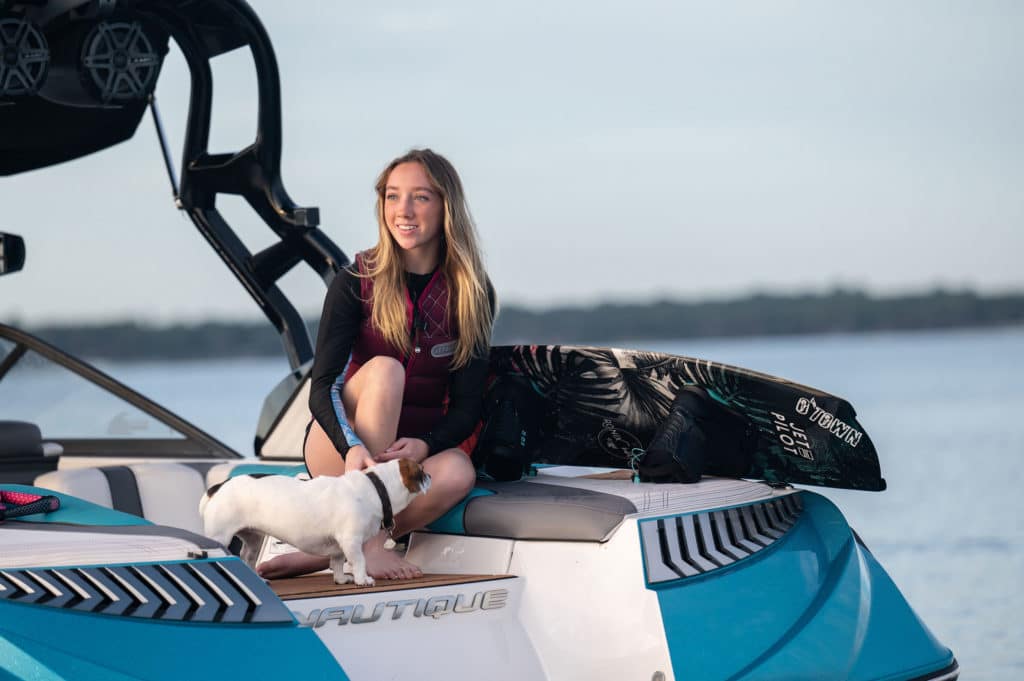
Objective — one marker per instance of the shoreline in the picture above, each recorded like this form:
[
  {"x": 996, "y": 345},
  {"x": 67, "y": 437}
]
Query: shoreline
[{"x": 622, "y": 325}]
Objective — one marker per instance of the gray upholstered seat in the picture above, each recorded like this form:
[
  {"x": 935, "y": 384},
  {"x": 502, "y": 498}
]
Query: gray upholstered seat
[
  {"x": 556, "y": 507},
  {"x": 534, "y": 510},
  {"x": 164, "y": 493}
]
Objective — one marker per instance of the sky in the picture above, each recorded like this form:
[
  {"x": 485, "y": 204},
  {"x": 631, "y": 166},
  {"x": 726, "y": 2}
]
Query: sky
[{"x": 656, "y": 149}]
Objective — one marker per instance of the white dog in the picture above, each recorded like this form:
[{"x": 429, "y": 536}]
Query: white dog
[{"x": 325, "y": 516}]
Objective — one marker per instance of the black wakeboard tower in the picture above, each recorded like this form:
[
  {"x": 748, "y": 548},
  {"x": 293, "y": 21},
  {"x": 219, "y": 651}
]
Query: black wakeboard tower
[{"x": 76, "y": 76}]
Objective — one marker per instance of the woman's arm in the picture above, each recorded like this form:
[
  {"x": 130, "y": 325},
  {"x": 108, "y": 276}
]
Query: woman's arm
[
  {"x": 465, "y": 404},
  {"x": 339, "y": 326}
]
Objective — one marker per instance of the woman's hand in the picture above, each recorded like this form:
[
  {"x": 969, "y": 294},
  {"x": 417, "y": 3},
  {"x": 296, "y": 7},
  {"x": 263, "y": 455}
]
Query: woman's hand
[
  {"x": 406, "y": 448},
  {"x": 357, "y": 458}
]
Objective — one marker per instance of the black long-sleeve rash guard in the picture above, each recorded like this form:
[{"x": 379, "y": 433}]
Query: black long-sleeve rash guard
[{"x": 339, "y": 325}]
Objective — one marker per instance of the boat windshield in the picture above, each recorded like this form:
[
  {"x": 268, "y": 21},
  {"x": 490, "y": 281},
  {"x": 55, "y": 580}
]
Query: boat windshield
[
  {"x": 85, "y": 411},
  {"x": 66, "y": 405}
]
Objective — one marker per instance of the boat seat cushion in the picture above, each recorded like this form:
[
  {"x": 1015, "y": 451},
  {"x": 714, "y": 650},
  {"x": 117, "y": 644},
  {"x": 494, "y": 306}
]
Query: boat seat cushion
[
  {"x": 85, "y": 483},
  {"x": 529, "y": 510},
  {"x": 163, "y": 493},
  {"x": 558, "y": 507}
]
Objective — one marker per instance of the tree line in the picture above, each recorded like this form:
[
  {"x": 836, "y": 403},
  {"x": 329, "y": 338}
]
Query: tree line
[{"x": 837, "y": 311}]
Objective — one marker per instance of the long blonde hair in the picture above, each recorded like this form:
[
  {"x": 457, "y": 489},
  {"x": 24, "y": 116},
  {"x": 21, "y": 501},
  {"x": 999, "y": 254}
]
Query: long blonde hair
[{"x": 462, "y": 265}]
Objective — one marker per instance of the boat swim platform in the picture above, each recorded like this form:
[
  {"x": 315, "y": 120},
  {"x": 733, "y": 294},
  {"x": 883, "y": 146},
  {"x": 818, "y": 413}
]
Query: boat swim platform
[{"x": 322, "y": 584}]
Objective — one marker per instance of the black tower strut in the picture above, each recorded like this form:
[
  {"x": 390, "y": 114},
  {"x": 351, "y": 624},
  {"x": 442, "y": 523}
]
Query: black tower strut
[
  {"x": 204, "y": 30},
  {"x": 67, "y": 119}
]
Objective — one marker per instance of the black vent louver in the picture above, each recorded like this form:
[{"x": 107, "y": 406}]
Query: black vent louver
[
  {"x": 690, "y": 545},
  {"x": 198, "y": 591}
]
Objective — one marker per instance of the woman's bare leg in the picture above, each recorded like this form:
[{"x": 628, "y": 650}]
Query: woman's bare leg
[
  {"x": 452, "y": 476},
  {"x": 373, "y": 403}
]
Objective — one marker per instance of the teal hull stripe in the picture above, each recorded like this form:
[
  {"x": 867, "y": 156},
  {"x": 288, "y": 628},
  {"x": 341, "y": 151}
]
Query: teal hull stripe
[
  {"x": 76, "y": 511},
  {"x": 104, "y": 648},
  {"x": 839, "y": 614}
]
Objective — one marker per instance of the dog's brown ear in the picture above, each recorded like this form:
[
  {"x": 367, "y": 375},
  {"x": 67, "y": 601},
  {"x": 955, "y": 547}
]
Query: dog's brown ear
[{"x": 412, "y": 475}]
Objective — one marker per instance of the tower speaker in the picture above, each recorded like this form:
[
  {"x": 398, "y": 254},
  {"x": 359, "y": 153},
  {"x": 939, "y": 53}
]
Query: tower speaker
[
  {"x": 24, "y": 58},
  {"x": 119, "y": 61}
]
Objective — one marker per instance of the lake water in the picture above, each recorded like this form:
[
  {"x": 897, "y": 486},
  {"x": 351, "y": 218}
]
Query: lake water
[{"x": 943, "y": 409}]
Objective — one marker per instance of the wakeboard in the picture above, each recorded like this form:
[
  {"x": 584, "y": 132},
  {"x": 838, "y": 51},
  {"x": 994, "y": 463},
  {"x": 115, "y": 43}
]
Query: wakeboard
[{"x": 600, "y": 406}]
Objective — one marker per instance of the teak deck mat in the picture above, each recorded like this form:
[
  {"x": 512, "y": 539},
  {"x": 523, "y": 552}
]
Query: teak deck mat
[{"x": 322, "y": 584}]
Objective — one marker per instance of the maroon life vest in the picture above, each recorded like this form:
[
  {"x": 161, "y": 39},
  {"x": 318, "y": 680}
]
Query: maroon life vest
[{"x": 428, "y": 366}]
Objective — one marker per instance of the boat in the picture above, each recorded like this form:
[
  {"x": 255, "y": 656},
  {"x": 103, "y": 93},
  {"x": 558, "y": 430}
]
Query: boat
[{"x": 568, "y": 573}]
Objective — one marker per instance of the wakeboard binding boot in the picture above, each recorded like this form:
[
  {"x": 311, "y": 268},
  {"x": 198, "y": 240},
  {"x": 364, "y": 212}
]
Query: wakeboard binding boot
[
  {"x": 678, "y": 450},
  {"x": 503, "y": 450}
]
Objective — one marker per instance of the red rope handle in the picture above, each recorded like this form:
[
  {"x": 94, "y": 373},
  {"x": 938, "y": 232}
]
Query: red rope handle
[{"x": 14, "y": 504}]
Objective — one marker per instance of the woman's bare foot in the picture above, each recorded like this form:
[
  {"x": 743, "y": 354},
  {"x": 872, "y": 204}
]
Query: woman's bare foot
[
  {"x": 292, "y": 565},
  {"x": 382, "y": 563}
]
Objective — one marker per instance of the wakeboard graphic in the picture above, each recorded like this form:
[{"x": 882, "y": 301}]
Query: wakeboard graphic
[{"x": 597, "y": 406}]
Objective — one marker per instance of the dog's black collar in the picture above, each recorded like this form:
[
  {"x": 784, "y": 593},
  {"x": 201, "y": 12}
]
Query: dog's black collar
[{"x": 388, "y": 521}]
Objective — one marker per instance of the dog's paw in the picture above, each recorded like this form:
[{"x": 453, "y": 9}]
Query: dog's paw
[
  {"x": 366, "y": 581},
  {"x": 342, "y": 578}
]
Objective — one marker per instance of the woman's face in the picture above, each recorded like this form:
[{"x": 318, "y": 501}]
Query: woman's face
[{"x": 413, "y": 210}]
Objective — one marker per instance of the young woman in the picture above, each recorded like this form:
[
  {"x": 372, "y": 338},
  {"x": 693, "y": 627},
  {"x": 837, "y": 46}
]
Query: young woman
[{"x": 401, "y": 355}]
